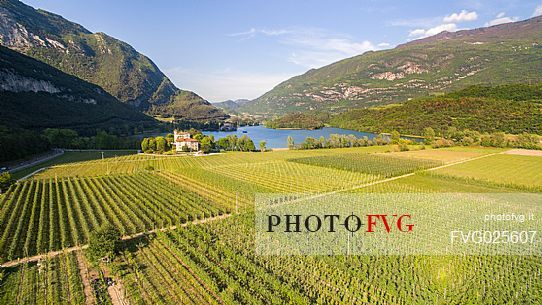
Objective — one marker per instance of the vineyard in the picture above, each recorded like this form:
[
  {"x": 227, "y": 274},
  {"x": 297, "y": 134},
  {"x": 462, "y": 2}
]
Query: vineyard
[
  {"x": 218, "y": 263},
  {"x": 38, "y": 216},
  {"x": 215, "y": 262},
  {"x": 50, "y": 281},
  {"x": 381, "y": 165}
]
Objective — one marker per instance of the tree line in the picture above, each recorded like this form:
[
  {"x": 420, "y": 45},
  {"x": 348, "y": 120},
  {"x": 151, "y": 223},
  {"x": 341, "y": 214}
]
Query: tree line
[
  {"x": 18, "y": 143},
  {"x": 450, "y": 137}
]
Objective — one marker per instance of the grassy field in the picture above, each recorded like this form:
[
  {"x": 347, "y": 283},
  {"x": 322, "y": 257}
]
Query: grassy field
[{"x": 216, "y": 262}]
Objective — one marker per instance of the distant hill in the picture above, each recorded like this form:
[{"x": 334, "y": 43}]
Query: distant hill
[
  {"x": 509, "y": 108},
  {"x": 188, "y": 105},
  {"x": 95, "y": 57},
  {"x": 231, "y": 105},
  {"x": 506, "y": 53},
  {"x": 34, "y": 95},
  {"x": 296, "y": 121}
]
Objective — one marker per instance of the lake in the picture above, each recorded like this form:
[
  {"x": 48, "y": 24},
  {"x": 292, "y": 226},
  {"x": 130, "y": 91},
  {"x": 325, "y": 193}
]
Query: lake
[{"x": 276, "y": 138}]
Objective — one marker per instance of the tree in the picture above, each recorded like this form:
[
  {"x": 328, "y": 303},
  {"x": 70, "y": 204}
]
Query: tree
[
  {"x": 170, "y": 139},
  {"x": 206, "y": 144},
  {"x": 262, "y": 145},
  {"x": 249, "y": 145},
  {"x": 245, "y": 144},
  {"x": 291, "y": 143},
  {"x": 152, "y": 144},
  {"x": 429, "y": 134},
  {"x": 103, "y": 242},
  {"x": 5, "y": 181},
  {"x": 60, "y": 138},
  {"x": 395, "y": 137},
  {"x": 161, "y": 144},
  {"x": 223, "y": 143},
  {"x": 103, "y": 140},
  {"x": 145, "y": 145}
]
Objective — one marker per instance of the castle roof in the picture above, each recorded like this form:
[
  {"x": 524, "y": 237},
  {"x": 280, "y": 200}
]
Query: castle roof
[{"x": 186, "y": 140}]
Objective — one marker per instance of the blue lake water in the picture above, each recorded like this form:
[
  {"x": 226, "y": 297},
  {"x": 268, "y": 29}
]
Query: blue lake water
[{"x": 276, "y": 138}]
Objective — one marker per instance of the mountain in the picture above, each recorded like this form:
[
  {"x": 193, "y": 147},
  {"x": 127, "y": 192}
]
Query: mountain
[
  {"x": 95, "y": 57},
  {"x": 513, "y": 108},
  {"x": 188, "y": 105},
  {"x": 34, "y": 95},
  {"x": 506, "y": 53},
  {"x": 231, "y": 105}
]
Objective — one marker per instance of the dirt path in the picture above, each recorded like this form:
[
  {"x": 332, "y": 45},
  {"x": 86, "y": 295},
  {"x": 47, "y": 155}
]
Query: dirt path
[
  {"x": 83, "y": 271},
  {"x": 384, "y": 180},
  {"x": 524, "y": 152},
  {"x": 127, "y": 237},
  {"x": 116, "y": 291}
]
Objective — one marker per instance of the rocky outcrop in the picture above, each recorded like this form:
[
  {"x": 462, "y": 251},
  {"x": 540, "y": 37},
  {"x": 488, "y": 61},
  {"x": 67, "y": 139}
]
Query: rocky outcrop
[{"x": 10, "y": 81}]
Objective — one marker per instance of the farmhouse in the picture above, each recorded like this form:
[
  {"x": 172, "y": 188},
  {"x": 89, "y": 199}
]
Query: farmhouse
[{"x": 184, "y": 142}]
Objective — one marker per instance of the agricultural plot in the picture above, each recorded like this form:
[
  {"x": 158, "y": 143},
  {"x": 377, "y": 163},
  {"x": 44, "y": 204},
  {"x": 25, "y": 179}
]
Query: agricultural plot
[
  {"x": 216, "y": 263},
  {"x": 50, "y": 281},
  {"x": 447, "y": 155},
  {"x": 72, "y": 157},
  {"x": 43, "y": 215},
  {"x": 292, "y": 177},
  {"x": 137, "y": 163},
  {"x": 374, "y": 164},
  {"x": 513, "y": 171}
]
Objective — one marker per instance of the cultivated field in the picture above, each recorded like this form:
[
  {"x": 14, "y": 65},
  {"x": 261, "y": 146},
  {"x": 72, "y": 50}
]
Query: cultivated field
[{"x": 215, "y": 262}]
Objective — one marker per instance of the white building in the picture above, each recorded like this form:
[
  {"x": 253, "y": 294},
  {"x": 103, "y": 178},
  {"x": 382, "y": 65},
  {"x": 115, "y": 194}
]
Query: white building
[{"x": 183, "y": 139}]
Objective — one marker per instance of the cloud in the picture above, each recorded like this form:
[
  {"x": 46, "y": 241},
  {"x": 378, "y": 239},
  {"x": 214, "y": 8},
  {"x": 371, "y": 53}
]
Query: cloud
[
  {"x": 461, "y": 17},
  {"x": 425, "y": 27},
  {"x": 421, "y": 33},
  {"x": 500, "y": 19},
  {"x": 253, "y": 32},
  {"x": 313, "y": 47},
  {"x": 384, "y": 45},
  {"x": 220, "y": 85},
  {"x": 537, "y": 11}
]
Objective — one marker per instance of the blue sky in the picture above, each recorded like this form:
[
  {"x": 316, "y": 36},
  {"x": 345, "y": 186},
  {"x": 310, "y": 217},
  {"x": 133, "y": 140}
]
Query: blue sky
[{"x": 241, "y": 49}]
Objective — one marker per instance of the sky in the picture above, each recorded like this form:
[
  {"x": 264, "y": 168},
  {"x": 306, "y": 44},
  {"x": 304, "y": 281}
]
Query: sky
[{"x": 243, "y": 48}]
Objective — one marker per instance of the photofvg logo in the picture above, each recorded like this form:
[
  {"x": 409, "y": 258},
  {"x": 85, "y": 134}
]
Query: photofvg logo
[
  {"x": 399, "y": 224},
  {"x": 332, "y": 223}
]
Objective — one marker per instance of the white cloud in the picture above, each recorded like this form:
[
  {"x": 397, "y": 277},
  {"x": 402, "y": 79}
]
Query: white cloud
[
  {"x": 461, "y": 17},
  {"x": 384, "y": 45},
  {"x": 420, "y": 33},
  {"x": 312, "y": 47},
  {"x": 537, "y": 11},
  {"x": 253, "y": 32},
  {"x": 225, "y": 84},
  {"x": 426, "y": 27},
  {"x": 500, "y": 19}
]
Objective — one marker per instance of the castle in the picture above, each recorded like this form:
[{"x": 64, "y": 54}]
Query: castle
[{"x": 182, "y": 140}]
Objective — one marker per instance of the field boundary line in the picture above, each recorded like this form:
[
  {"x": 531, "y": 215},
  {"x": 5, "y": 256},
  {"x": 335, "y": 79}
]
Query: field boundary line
[{"x": 38, "y": 257}]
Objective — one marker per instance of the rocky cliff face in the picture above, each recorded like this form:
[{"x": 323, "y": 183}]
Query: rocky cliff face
[
  {"x": 9, "y": 81},
  {"x": 36, "y": 95}
]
